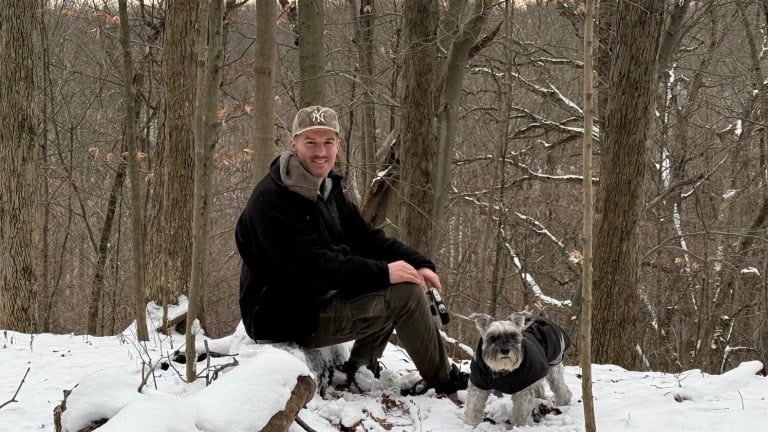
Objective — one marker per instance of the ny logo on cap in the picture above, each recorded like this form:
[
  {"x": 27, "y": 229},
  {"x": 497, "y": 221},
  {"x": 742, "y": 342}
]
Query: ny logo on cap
[{"x": 318, "y": 116}]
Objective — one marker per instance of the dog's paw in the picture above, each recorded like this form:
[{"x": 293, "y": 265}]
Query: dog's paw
[
  {"x": 472, "y": 419},
  {"x": 563, "y": 398}
]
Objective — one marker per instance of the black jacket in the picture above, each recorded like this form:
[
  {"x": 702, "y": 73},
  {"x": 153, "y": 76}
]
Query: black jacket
[
  {"x": 296, "y": 251},
  {"x": 544, "y": 344}
]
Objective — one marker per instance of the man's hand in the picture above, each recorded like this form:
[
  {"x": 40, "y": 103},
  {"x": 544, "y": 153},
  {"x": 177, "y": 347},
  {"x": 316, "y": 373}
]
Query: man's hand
[
  {"x": 401, "y": 271},
  {"x": 430, "y": 278}
]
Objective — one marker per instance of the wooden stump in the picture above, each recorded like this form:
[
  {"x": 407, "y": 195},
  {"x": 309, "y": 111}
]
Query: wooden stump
[
  {"x": 300, "y": 396},
  {"x": 59, "y": 410}
]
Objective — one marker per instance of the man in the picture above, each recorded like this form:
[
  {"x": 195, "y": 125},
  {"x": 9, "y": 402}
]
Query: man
[{"x": 316, "y": 273}]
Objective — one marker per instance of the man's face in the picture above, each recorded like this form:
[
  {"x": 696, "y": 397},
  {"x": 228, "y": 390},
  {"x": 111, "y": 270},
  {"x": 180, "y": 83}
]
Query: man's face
[{"x": 316, "y": 150}]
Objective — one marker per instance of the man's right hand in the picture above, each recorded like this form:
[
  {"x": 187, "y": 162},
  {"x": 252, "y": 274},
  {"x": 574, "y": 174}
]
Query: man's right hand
[{"x": 401, "y": 271}]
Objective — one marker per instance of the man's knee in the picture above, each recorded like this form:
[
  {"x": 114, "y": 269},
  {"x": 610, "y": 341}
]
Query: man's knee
[{"x": 406, "y": 294}]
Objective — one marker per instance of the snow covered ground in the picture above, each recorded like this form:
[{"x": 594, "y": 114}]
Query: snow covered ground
[{"x": 109, "y": 371}]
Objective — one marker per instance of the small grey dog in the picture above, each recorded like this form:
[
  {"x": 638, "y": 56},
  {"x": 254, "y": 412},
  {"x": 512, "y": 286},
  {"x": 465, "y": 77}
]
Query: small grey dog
[{"x": 514, "y": 356}]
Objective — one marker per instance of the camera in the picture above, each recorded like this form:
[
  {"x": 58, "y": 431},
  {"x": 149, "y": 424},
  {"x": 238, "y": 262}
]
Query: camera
[{"x": 437, "y": 307}]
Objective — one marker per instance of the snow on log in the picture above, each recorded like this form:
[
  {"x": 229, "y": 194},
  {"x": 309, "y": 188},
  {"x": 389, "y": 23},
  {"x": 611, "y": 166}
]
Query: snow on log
[{"x": 264, "y": 393}]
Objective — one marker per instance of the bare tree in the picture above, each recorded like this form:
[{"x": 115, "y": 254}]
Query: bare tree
[
  {"x": 464, "y": 32},
  {"x": 265, "y": 50},
  {"x": 170, "y": 235},
  {"x": 210, "y": 28},
  {"x": 18, "y": 166},
  {"x": 309, "y": 30},
  {"x": 363, "y": 22},
  {"x": 97, "y": 293},
  {"x": 627, "y": 117},
  {"x": 418, "y": 140},
  {"x": 589, "y": 210},
  {"x": 137, "y": 223}
]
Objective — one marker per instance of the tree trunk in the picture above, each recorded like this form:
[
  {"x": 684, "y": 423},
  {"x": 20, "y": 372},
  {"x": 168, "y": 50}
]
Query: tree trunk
[
  {"x": 137, "y": 224},
  {"x": 363, "y": 22},
  {"x": 627, "y": 119},
  {"x": 453, "y": 82},
  {"x": 18, "y": 166},
  {"x": 265, "y": 51},
  {"x": 418, "y": 139},
  {"x": 494, "y": 221},
  {"x": 170, "y": 238},
  {"x": 585, "y": 350},
  {"x": 97, "y": 289},
  {"x": 309, "y": 29},
  {"x": 44, "y": 279},
  {"x": 209, "y": 61}
]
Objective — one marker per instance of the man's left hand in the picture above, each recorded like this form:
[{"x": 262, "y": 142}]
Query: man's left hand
[{"x": 431, "y": 278}]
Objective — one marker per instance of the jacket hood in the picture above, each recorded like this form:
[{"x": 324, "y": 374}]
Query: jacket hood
[{"x": 296, "y": 178}]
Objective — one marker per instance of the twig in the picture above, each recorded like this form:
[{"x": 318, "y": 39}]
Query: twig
[
  {"x": 207, "y": 363},
  {"x": 304, "y": 424},
  {"x": 219, "y": 368},
  {"x": 150, "y": 371},
  {"x": 13, "y": 398}
]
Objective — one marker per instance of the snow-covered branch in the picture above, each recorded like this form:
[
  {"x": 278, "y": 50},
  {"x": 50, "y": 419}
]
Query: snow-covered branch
[
  {"x": 530, "y": 282},
  {"x": 540, "y": 122},
  {"x": 540, "y": 228}
]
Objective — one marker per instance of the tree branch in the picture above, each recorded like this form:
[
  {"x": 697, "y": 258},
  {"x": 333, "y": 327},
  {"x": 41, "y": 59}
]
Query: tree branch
[{"x": 13, "y": 398}]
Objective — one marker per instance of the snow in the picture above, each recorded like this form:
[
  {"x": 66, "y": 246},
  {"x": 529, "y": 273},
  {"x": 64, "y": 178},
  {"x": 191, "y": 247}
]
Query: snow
[
  {"x": 750, "y": 270},
  {"x": 108, "y": 372}
]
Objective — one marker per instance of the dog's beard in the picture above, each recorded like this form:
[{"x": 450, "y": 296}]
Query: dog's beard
[{"x": 498, "y": 362}]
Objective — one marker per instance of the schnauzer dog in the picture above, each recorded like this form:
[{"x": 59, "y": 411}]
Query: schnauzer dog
[{"x": 514, "y": 356}]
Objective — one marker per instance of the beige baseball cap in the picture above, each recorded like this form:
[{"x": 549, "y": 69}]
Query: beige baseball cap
[{"x": 315, "y": 117}]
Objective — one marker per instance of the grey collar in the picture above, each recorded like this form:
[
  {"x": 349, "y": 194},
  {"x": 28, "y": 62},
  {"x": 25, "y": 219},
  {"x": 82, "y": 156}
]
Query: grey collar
[{"x": 297, "y": 179}]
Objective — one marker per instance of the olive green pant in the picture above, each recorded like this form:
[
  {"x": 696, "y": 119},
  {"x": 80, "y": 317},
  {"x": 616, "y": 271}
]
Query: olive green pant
[{"x": 370, "y": 319}]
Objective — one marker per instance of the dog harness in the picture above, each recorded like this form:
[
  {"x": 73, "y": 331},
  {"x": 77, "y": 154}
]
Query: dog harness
[{"x": 543, "y": 345}]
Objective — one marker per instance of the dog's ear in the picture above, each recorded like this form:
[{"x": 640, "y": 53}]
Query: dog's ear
[
  {"x": 481, "y": 321},
  {"x": 518, "y": 318}
]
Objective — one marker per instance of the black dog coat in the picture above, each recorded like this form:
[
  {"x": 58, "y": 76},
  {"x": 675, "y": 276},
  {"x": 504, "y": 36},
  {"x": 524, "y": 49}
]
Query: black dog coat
[{"x": 544, "y": 344}]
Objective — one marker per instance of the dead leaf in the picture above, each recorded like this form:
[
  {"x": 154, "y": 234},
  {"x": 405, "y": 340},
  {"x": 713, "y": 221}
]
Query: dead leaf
[{"x": 575, "y": 256}]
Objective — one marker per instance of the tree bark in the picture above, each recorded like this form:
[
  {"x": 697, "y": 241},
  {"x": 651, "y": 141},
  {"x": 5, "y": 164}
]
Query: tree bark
[
  {"x": 418, "y": 140},
  {"x": 585, "y": 350},
  {"x": 627, "y": 119},
  {"x": 363, "y": 23},
  {"x": 309, "y": 29},
  {"x": 301, "y": 394},
  {"x": 209, "y": 60},
  {"x": 447, "y": 116},
  {"x": 137, "y": 223},
  {"x": 170, "y": 239},
  {"x": 18, "y": 166},
  {"x": 97, "y": 288},
  {"x": 265, "y": 52}
]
